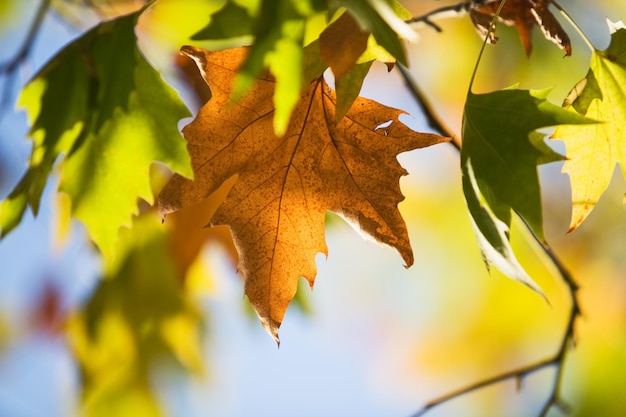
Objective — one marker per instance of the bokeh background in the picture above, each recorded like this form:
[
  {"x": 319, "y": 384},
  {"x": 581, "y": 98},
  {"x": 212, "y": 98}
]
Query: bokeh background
[{"x": 373, "y": 338}]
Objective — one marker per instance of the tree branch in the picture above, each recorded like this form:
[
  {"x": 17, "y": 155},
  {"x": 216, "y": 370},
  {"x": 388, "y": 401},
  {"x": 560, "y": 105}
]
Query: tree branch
[
  {"x": 432, "y": 118},
  {"x": 9, "y": 68},
  {"x": 455, "y": 10},
  {"x": 568, "y": 340}
]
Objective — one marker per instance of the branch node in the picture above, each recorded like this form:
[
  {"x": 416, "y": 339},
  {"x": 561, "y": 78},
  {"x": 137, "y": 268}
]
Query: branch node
[{"x": 562, "y": 406}]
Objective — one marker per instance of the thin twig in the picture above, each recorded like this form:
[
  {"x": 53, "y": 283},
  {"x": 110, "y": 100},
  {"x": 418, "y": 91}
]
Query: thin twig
[
  {"x": 568, "y": 340},
  {"x": 432, "y": 118},
  {"x": 9, "y": 68},
  {"x": 456, "y": 10},
  {"x": 569, "y": 337}
]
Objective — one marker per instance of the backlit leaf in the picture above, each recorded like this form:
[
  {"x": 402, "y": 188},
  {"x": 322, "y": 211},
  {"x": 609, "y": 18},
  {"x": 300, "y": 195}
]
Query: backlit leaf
[
  {"x": 108, "y": 114},
  {"x": 593, "y": 151},
  {"x": 230, "y": 21},
  {"x": 385, "y": 21},
  {"x": 278, "y": 31},
  {"x": 276, "y": 208},
  {"x": 349, "y": 86}
]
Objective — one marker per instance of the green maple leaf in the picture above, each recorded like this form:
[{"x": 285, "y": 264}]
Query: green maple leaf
[
  {"x": 349, "y": 51},
  {"x": 382, "y": 45},
  {"x": 349, "y": 87},
  {"x": 384, "y": 19},
  {"x": 278, "y": 27},
  {"x": 499, "y": 158},
  {"x": 594, "y": 151},
  {"x": 108, "y": 113},
  {"x": 231, "y": 21}
]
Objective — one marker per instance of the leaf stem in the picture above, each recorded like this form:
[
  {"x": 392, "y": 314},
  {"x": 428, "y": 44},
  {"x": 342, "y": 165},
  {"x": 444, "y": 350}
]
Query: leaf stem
[
  {"x": 9, "y": 67},
  {"x": 491, "y": 28},
  {"x": 574, "y": 25},
  {"x": 568, "y": 339},
  {"x": 457, "y": 10}
]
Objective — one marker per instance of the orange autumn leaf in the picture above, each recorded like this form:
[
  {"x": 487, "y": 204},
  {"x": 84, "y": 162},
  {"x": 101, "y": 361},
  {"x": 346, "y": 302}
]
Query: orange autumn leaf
[
  {"x": 284, "y": 186},
  {"x": 187, "y": 239}
]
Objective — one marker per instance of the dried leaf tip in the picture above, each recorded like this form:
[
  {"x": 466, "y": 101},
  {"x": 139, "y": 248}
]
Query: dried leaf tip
[
  {"x": 271, "y": 326},
  {"x": 198, "y": 55}
]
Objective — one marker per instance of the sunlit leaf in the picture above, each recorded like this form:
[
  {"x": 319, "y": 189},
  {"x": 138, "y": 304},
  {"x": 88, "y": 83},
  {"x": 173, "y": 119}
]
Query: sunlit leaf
[
  {"x": 108, "y": 114},
  {"x": 284, "y": 185},
  {"x": 230, "y": 21},
  {"x": 140, "y": 315},
  {"x": 594, "y": 151},
  {"x": 278, "y": 32},
  {"x": 385, "y": 20}
]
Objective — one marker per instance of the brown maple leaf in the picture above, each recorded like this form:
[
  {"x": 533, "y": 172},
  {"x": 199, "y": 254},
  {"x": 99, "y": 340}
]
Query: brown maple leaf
[
  {"x": 524, "y": 15},
  {"x": 284, "y": 185}
]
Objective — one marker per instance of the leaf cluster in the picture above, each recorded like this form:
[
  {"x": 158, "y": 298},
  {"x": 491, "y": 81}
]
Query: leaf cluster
[{"x": 272, "y": 150}]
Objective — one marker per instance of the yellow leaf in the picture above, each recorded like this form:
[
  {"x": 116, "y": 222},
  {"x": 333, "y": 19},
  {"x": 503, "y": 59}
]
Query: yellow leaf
[
  {"x": 181, "y": 334},
  {"x": 63, "y": 224},
  {"x": 594, "y": 151}
]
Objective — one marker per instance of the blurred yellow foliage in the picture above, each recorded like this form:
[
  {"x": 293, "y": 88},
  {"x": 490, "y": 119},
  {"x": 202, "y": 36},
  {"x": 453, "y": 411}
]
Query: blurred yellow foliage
[{"x": 140, "y": 315}]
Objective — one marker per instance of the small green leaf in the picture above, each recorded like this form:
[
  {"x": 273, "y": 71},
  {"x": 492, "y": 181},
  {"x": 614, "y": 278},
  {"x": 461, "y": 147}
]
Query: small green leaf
[
  {"x": 279, "y": 31},
  {"x": 285, "y": 63},
  {"x": 108, "y": 113},
  {"x": 499, "y": 159},
  {"x": 368, "y": 15},
  {"x": 349, "y": 52},
  {"x": 312, "y": 66},
  {"x": 349, "y": 86},
  {"x": 375, "y": 52},
  {"x": 231, "y": 21}
]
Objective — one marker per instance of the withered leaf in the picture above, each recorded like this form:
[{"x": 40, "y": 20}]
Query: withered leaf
[
  {"x": 284, "y": 185},
  {"x": 524, "y": 15}
]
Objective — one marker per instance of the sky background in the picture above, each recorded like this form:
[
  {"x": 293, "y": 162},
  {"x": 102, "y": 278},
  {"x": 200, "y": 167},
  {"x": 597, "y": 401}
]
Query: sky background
[{"x": 379, "y": 340}]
